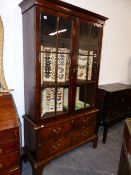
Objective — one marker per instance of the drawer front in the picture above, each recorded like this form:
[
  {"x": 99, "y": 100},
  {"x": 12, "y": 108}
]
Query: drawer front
[
  {"x": 115, "y": 101},
  {"x": 8, "y": 147},
  {"x": 13, "y": 171},
  {"x": 127, "y": 139},
  {"x": 53, "y": 147},
  {"x": 10, "y": 134},
  {"x": 9, "y": 161},
  {"x": 84, "y": 121},
  {"x": 53, "y": 132},
  {"x": 82, "y": 135}
]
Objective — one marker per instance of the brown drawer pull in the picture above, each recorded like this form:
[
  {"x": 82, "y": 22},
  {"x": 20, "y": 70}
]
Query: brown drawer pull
[
  {"x": 1, "y": 151},
  {"x": 86, "y": 120},
  {"x": 84, "y": 133},
  {"x": 56, "y": 147},
  {"x": 72, "y": 121},
  {"x": 1, "y": 165},
  {"x": 56, "y": 131}
]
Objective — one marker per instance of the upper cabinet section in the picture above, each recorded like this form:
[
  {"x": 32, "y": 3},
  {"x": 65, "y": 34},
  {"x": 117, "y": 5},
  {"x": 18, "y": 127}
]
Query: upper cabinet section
[
  {"x": 55, "y": 48},
  {"x": 89, "y": 44},
  {"x": 62, "y": 47}
]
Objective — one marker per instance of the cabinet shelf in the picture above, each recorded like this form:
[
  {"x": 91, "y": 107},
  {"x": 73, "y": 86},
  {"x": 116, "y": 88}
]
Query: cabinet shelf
[
  {"x": 80, "y": 82},
  {"x": 52, "y": 114},
  {"x": 53, "y": 84}
]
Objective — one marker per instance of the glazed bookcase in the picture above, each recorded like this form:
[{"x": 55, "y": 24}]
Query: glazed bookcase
[{"x": 62, "y": 47}]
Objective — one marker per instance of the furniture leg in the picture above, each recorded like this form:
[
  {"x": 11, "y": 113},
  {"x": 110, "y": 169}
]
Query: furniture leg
[
  {"x": 37, "y": 171},
  {"x": 95, "y": 142},
  {"x": 105, "y": 134}
]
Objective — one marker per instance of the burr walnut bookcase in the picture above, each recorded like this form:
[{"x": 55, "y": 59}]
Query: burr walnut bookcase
[{"x": 62, "y": 47}]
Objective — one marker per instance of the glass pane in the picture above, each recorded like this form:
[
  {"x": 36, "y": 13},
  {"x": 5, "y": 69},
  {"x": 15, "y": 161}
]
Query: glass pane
[
  {"x": 89, "y": 46},
  {"x": 51, "y": 107},
  {"x": 64, "y": 34},
  {"x": 48, "y": 64},
  {"x": 82, "y": 67},
  {"x": 85, "y": 95},
  {"x": 80, "y": 102},
  {"x": 49, "y": 30},
  {"x": 95, "y": 44},
  {"x": 54, "y": 63},
  {"x": 47, "y": 101},
  {"x": 63, "y": 67},
  {"x": 84, "y": 37},
  {"x": 83, "y": 61},
  {"x": 95, "y": 41}
]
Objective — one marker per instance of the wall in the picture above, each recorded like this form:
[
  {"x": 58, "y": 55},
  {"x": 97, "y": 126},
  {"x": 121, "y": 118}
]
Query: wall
[{"x": 116, "y": 50}]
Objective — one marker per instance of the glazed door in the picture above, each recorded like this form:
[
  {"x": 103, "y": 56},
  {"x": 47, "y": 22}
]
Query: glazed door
[
  {"x": 87, "y": 64},
  {"x": 56, "y": 48}
]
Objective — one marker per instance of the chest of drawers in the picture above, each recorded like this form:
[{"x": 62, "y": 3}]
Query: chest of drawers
[
  {"x": 125, "y": 158},
  {"x": 114, "y": 103},
  {"x": 9, "y": 137},
  {"x": 53, "y": 139}
]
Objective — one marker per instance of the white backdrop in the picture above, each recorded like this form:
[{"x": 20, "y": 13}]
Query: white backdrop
[{"x": 116, "y": 50}]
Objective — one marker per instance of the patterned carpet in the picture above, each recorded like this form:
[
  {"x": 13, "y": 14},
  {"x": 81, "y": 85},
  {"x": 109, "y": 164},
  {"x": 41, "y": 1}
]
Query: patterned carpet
[{"x": 85, "y": 160}]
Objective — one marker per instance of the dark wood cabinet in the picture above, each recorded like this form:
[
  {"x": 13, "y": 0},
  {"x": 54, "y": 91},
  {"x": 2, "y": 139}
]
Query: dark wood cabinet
[
  {"x": 115, "y": 105},
  {"x": 62, "y": 47},
  {"x": 9, "y": 136},
  {"x": 125, "y": 158}
]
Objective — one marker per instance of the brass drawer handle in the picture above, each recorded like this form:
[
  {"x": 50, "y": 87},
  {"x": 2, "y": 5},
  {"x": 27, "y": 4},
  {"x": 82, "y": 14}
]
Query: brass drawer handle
[
  {"x": 86, "y": 120},
  {"x": 84, "y": 133},
  {"x": 56, "y": 131},
  {"x": 1, "y": 166},
  {"x": 1, "y": 151},
  {"x": 56, "y": 147},
  {"x": 72, "y": 121}
]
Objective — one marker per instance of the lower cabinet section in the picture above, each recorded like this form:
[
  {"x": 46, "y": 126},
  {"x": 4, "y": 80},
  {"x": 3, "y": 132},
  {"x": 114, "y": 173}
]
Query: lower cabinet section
[
  {"x": 12, "y": 171},
  {"x": 48, "y": 141},
  {"x": 53, "y": 147}
]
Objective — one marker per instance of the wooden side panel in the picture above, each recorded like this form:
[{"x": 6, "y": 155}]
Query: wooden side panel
[
  {"x": 9, "y": 161},
  {"x": 13, "y": 171},
  {"x": 29, "y": 136},
  {"x": 29, "y": 62}
]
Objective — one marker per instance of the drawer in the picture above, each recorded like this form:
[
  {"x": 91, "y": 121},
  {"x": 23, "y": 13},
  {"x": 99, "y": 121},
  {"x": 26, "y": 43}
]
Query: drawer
[
  {"x": 82, "y": 135},
  {"x": 127, "y": 139},
  {"x": 114, "y": 101},
  {"x": 9, "y": 161},
  {"x": 113, "y": 116},
  {"x": 53, "y": 132},
  {"x": 9, "y": 134},
  {"x": 52, "y": 148},
  {"x": 8, "y": 147},
  {"x": 13, "y": 171},
  {"x": 84, "y": 121}
]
